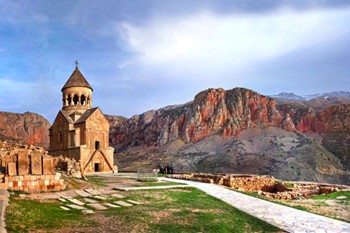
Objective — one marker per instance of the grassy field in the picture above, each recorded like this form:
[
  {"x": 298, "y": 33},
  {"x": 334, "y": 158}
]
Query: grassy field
[
  {"x": 173, "y": 210},
  {"x": 32, "y": 216}
]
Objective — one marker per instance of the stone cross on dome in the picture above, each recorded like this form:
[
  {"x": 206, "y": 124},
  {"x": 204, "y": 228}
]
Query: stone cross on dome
[{"x": 76, "y": 63}]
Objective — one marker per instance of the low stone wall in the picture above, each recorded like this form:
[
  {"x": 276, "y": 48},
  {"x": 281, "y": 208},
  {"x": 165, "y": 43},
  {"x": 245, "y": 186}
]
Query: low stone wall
[
  {"x": 252, "y": 183},
  {"x": 33, "y": 183},
  {"x": 264, "y": 185},
  {"x": 302, "y": 192}
]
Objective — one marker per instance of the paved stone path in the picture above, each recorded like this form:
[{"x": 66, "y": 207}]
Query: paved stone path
[
  {"x": 3, "y": 203},
  {"x": 286, "y": 218}
]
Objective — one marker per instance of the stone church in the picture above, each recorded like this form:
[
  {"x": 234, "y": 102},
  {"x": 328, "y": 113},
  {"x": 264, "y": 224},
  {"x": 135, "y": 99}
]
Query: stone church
[{"x": 81, "y": 131}]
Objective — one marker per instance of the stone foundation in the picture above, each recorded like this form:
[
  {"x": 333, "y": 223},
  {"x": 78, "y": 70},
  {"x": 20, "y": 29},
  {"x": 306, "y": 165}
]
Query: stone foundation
[
  {"x": 264, "y": 185},
  {"x": 28, "y": 168},
  {"x": 251, "y": 183},
  {"x": 33, "y": 183}
]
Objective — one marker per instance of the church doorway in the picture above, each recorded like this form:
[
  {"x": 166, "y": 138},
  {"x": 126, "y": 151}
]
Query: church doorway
[{"x": 97, "y": 167}]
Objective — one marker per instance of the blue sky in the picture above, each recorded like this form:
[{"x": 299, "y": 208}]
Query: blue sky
[{"x": 142, "y": 55}]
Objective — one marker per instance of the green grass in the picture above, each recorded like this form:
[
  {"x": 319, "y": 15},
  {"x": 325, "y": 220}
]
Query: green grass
[
  {"x": 28, "y": 215},
  {"x": 187, "y": 210},
  {"x": 155, "y": 183},
  {"x": 171, "y": 210},
  {"x": 333, "y": 196},
  {"x": 97, "y": 180}
]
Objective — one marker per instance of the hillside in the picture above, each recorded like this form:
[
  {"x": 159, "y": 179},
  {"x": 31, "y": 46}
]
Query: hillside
[
  {"x": 237, "y": 131},
  {"x": 29, "y": 128}
]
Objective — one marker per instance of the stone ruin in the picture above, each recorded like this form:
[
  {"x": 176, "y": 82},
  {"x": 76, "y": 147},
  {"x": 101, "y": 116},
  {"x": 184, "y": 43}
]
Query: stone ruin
[
  {"x": 69, "y": 165},
  {"x": 28, "y": 168},
  {"x": 264, "y": 185}
]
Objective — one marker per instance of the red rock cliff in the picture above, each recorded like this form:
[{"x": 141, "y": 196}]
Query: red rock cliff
[
  {"x": 28, "y": 127},
  {"x": 213, "y": 111},
  {"x": 335, "y": 118}
]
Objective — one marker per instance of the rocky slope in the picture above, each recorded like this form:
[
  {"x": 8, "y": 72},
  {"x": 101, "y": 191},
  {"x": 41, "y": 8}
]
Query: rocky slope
[
  {"x": 238, "y": 131},
  {"x": 330, "y": 127},
  {"x": 214, "y": 111},
  {"x": 29, "y": 128}
]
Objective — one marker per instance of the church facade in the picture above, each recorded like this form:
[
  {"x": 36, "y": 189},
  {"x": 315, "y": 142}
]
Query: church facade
[{"x": 81, "y": 131}]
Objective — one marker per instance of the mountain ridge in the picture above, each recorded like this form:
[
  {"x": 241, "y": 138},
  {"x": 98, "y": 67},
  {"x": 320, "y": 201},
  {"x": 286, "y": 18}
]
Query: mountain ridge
[
  {"x": 293, "y": 96},
  {"x": 159, "y": 136}
]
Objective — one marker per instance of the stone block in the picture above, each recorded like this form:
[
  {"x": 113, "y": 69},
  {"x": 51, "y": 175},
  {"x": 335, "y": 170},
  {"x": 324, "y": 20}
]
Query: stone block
[
  {"x": 48, "y": 166},
  {"x": 97, "y": 206},
  {"x": 11, "y": 169},
  {"x": 64, "y": 208},
  {"x": 23, "y": 163},
  {"x": 36, "y": 163},
  {"x": 58, "y": 176},
  {"x": 123, "y": 203}
]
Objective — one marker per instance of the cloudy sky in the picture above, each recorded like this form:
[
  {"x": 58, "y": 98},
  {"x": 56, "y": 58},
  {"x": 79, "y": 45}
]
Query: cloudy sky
[{"x": 146, "y": 54}]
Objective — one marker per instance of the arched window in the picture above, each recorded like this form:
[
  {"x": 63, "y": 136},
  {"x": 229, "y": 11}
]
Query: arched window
[
  {"x": 75, "y": 99},
  {"x": 82, "y": 99},
  {"x": 69, "y": 99}
]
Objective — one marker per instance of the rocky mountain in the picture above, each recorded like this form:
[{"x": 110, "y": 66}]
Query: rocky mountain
[
  {"x": 316, "y": 101},
  {"x": 330, "y": 127},
  {"x": 292, "y": 96},
  {"x": 115, "y": 121},
  {"x": 214, "y": 111},
  {"x": 288, "y": 96},
  {"x": 29, "y": 128},
  {"x": 238, "y": 131}
]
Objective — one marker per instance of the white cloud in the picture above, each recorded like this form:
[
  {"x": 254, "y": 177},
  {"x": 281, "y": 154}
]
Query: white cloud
[{"x": 206, "y": 39}]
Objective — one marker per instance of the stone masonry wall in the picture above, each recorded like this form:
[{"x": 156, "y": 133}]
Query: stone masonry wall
[
  {"x": 264, "y": 185},
  {"x": 33, "y": 183},
  {"x": 28, "y": 168},
  {"x": 240, "y": 182}
]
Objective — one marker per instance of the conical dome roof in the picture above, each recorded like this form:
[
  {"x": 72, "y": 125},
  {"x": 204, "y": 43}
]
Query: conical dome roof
[{"x": 77, "y": 79}]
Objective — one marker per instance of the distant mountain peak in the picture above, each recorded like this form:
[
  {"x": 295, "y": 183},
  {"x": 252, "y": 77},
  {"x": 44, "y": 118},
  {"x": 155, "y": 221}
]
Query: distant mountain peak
[
  {"x": 343, "y": 94},
  {"x": 288, "y": 95},
  {"x": 327, "y": 95}
]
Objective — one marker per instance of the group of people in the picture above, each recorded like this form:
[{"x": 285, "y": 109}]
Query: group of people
[{"x": 166, "y": 169}]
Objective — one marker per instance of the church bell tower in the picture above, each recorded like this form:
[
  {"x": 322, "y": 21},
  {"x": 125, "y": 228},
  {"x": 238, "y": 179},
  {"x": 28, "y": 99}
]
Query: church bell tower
[{"x": 76, "y": 94}]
